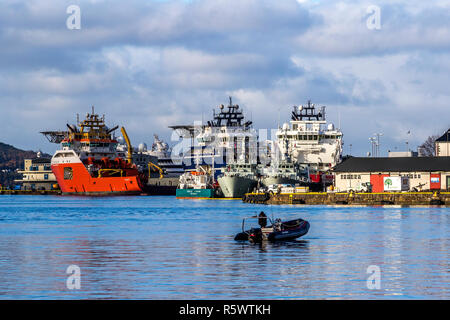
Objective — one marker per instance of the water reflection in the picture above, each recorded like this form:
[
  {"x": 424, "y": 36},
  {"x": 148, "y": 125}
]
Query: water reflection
[{"x": 161, "y": 248}]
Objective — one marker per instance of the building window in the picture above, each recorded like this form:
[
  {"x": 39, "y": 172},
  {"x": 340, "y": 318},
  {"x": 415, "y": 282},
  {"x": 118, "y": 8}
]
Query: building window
[{"x": 46, "y": 176}]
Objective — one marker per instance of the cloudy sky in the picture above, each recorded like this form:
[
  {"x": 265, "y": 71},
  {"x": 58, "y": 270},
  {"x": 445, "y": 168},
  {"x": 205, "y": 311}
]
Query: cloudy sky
[{"x": 151, "y": 64}]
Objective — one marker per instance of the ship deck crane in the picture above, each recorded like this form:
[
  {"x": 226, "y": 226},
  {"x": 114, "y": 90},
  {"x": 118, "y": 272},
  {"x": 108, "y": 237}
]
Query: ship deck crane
[
  {"x": 130, "y": 148},
  {"x": 152, "y": 165}
]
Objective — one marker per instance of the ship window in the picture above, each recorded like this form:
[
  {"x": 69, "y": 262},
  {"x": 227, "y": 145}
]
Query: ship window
[
  {"x": 68, "y": 173},
  {"x": 315, "y": 137}
]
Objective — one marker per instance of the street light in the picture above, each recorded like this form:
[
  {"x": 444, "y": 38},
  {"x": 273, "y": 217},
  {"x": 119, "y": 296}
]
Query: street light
[
  {"x": 373, "y": 141},
  {"x": 378, "y": 135}
]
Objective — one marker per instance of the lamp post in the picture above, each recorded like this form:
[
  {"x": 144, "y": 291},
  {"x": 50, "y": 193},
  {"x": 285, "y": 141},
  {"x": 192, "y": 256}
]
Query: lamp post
[
  {"x": 378, "y": 135},
  {"x": 373, "y": 142}
]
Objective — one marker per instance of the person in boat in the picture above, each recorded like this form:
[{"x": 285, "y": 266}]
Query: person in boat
[{"x": 262, "y": 219}]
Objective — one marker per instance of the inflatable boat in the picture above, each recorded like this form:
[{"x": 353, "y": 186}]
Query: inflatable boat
[{"x": 277, "y": 231}]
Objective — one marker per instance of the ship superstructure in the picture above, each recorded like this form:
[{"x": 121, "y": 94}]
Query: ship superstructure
[
  {"x": 228, "y": 136},
  {"x": 89, "y": 163},
  {"x": 170, "y": 164},
  {"x": 307, "y": 139}
]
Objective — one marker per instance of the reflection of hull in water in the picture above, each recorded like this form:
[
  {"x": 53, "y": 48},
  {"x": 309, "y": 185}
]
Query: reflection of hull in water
[{"x": 236, "y": 187}]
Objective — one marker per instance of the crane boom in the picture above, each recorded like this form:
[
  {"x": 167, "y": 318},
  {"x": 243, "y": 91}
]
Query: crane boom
[
  {"x": 161, "y": 171},
  {"x": 130, "y": 148}
]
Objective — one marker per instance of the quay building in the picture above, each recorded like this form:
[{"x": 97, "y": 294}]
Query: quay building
[
  {"x": 37, "y": 175},
  {"x": 422, "y": 173},
  {"x": 442, "y": 145}
]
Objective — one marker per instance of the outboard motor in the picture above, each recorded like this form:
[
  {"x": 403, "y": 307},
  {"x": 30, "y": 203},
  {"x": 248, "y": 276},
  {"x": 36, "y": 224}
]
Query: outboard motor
[{"x": 255, "y": 236}]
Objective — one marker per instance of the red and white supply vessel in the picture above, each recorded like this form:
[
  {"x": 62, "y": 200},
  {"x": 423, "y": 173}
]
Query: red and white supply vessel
[{"x": 88, "y": 162}]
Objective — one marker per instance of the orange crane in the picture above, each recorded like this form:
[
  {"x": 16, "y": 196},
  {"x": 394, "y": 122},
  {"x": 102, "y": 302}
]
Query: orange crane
[{"x": 130, "y": 147}]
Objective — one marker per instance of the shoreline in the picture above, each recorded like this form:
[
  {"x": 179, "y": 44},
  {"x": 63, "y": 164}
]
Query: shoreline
[{"x": 345, "y": 198}]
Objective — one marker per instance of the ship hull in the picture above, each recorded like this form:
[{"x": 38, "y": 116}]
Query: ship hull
[
  {"x": 165, "y": 186},
  {"x": 278, "y": 180},
  {"x": 236, "y": 187},
  {"x": 80, "y": 182},
  {"x": 195, "y": 193}
]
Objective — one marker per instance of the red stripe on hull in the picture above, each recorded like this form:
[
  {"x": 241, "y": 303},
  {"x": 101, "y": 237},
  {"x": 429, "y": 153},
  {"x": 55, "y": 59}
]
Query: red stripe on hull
[{"x": 83, "y": 184}]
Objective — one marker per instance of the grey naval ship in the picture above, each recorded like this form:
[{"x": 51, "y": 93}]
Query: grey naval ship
[
  {"x": 238, "y": 179},
  {"x": 286, "y": 172}
]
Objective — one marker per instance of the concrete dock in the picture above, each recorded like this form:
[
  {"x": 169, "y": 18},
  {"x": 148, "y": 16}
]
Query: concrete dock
[
  {"x": 344, "y": 198},
  {"x": 30, "y": 192}
]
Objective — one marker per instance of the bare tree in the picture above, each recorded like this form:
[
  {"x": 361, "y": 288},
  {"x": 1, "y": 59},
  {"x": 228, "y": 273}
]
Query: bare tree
[{"x": 427, "y": 148}]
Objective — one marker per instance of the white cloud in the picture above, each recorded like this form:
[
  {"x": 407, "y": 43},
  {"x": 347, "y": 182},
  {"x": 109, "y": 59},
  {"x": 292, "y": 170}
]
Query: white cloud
[{"x": 151, "y": 64}]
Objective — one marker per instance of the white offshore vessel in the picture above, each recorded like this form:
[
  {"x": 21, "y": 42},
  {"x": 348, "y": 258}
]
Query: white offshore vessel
[
  {"x": 226, "y": 142},
  {"x": 308, "y": 140},
  {"x": 234, "y": 142},
  {"x": 228, "y": 137}
]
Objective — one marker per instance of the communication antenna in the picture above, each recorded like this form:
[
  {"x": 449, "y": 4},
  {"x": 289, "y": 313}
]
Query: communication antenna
[{"x": 339, "y": 118}]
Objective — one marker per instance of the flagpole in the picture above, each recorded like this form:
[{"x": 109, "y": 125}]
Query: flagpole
[{"x": 407, "y": 140}]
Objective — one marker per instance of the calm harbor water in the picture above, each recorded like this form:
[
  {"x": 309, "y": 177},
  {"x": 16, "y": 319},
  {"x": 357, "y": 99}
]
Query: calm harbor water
[{"x": 164, "y": 248}]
